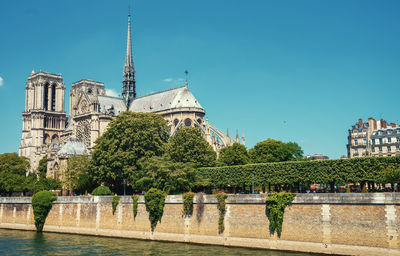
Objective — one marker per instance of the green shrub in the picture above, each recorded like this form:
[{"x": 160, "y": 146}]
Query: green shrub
[
  {"x": 188, "y": 204},
  {"x": 115, "y": 202},
  {"x": 102, "y": 191},
  {"x": 276, "y": 204},
  {"x": 41, "y": 204},
  {"x": 135, "y": 199},
  {"x": 222, "y": 209},
  {"x": 155, "y": 200}
]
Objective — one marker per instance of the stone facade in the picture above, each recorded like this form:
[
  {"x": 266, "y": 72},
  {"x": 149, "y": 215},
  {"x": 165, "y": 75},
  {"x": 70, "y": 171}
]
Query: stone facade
[
  {"x": 44, "y": 117},
  {"x": 345, "y": 224},
  {"x": 48, "y": 131},
  {"x": 373, "y": 138}
]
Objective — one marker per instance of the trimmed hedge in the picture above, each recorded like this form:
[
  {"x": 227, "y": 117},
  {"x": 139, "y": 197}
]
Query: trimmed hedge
[
  {"x": 102, "y": 191},
  {"x": 41, "y": 204},
  {"x": 341, "y": 171}
]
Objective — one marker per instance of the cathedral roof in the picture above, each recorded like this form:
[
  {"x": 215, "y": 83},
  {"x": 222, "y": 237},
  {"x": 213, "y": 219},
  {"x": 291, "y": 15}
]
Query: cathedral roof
[
  {"x": 73, "y": 147},
  {"x": 179, "y": 97},
  {"x": 107, "y": 103}
]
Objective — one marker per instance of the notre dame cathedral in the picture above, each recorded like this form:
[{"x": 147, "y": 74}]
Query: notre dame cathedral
[{"x": 48, "y": 131}]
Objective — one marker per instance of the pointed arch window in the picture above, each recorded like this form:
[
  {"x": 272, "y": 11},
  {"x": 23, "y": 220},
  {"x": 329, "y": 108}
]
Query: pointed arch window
[
  {"x": 46, "y": 96},
  {"x": 53, "y": 97}
]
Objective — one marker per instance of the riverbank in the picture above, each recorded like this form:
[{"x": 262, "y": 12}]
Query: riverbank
[{"x": 351, "y": 224}]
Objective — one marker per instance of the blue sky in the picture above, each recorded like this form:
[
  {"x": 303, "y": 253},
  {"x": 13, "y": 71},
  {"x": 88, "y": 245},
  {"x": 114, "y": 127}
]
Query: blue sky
[{"x": 301, "y": 71}]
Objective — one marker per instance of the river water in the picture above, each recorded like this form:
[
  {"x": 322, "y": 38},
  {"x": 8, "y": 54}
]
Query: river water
[{"x": 15, "y": 242}]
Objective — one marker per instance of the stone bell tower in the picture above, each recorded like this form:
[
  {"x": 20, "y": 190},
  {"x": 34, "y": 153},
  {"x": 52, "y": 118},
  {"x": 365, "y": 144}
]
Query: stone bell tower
[{"x": 44, "y": 117}]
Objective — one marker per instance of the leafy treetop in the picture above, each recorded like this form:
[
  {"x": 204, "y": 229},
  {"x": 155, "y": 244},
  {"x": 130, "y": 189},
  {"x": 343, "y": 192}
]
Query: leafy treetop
[
  {"x": 233, "y": 155},
  {"x": 42, "y": 168},
  {"x": 272, "y": 150},
  {"x": 163, "y": 174},
  {"x": 187, "y": 145},
  {"x": 129, "y": 137},
  {"x": 12, "y": 163},
  {"x": 76, "y": 178}
]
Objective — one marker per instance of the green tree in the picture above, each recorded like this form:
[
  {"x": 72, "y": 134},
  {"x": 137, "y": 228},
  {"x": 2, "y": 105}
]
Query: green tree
[
  {"x": 294, "y": 150},
  {"x": 163, "y": 174},
  {"x": 187, "y": 145},
  {"x": 391, "y": 175},
  {"x": 272, "y": 150},
  {"x": 12, "y": 173},
  {"x": 42, "y": 168},
  {"x": 44, "y": 183},
  {"x": 11, "y": 162},
  {"x": 129, "y": 137},
  {"x": 233, "y": 155},
  {"x": 76, "y": 177}
]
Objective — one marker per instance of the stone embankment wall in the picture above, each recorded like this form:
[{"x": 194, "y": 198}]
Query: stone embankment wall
[{"x": 350, "y": 224}]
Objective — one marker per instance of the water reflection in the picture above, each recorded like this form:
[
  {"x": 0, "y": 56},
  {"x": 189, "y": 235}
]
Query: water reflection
[{"x": 14, "y": 242}]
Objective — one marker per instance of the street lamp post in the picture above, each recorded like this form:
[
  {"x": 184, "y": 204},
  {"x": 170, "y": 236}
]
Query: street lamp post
[{"x": 124, "y": 187}]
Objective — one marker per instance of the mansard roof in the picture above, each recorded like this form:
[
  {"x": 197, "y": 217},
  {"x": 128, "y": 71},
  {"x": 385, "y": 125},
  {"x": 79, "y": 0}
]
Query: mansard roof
[
  {"x": 179, "y": 97},
  {"x": 107, "y": 102}
]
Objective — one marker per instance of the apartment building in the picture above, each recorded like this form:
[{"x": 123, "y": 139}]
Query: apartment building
[{"x": 373, "y": 138}]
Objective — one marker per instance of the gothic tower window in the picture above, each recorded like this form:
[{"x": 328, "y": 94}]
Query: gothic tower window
[
  {"x": 46, "y": 97},
  {"x": 53, "y": 97}
]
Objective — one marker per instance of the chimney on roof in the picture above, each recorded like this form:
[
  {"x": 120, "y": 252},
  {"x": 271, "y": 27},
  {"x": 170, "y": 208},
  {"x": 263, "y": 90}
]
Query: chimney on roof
[
  {"x": 393, "y": 125},
  {"x": 375, "y": 125},
  {"x": 383, "y": 124},
  {"x": 360, "y": 122}
]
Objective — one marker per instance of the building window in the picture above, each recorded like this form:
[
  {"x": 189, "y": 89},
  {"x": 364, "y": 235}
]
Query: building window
[
  {"x": 398, "y": 139},
  {"x": 389, "y": 149},
  {"x": 373, "y": 141},
  {"x": 398, "y": 147},
  {"x": 380, "y": 149},
  {"x": 389, "y": 131},
  {"x": 373, "y": 149},
  {"x": 380, "y": 141},
  {"x": 379, "y": 132},
  {"x": 389, "y": 139},
  {"x": 365, "y": 141},
  {"x": 356, "y": 151},
  {"x": 188, "y": 122},
  {"x": 356, "y": 142}
]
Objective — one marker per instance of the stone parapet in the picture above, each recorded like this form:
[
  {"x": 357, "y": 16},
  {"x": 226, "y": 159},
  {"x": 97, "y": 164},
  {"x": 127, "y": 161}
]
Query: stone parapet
[
  {"x": 351, "y": 224},
  {"x": 312, "y": 198}
]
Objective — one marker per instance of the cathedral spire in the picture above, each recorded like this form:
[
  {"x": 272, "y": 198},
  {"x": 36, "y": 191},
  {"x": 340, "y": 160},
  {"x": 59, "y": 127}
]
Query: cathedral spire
[{"x": 129, "y": 84}]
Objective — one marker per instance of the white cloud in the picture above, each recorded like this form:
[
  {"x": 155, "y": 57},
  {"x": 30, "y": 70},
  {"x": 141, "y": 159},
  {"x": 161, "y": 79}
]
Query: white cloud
[
  {"x": 111, "y": 92},
  {"x": 174, "y": 81},
  {"x": 1, "y": 81}
]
